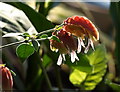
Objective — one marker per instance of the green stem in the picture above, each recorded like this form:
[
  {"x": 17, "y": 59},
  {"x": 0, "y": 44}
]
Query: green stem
[
  {"x": 11, "y": 44},
  {"x": 45, "y": 74},
  {"x": 50, "y": 30},
  {"x": 58, "y": 79},
  {"x": 20, "y": 42},
  {"x": 46, "y": 31}
]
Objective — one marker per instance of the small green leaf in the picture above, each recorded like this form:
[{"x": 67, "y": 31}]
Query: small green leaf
[
  {"x": 58, "y": 28},
  {"x": 24, "y": 50},
  {"x": 44, "y": 36},
  {"x": 97, "y": 61},
  {"x": 26, "y": 35},
  {"x": 35, "y": 45},
  {"x": 13, "y": 72},
  {"x": 55, "y": 38}
]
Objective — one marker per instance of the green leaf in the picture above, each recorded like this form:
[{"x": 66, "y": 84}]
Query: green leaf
[
  {"x": 44, "y": 36},
  {"x": 89, "y": 80},
  {"x": 77, "y": 77},
  {"x": 35, "y": 44},
  {"x": 13, "y": 72},
  {"x": 38, "y": 20},
  {"x": 82, "y": 65},
  {"x": 53, "y": 37},
  {"x": 98, "y": 55},
  {"x": 26, "y": 35},
  {"x": 24, "y": 50}
]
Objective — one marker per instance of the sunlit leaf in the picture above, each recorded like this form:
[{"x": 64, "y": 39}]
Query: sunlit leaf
[
  {"x": 24, "y": 50},
  {"x": 44, "y": 36},
  {"x": 89, "y": 80},
  {"x": 98, "y": 55},
  {"x": 82, "y": 65},
  {"x": 77, "y": 77},
  {"x": 26, "y": 35}
]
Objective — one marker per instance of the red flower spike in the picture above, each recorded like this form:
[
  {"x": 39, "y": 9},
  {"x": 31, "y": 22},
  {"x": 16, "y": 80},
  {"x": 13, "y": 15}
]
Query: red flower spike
[
  {"x": 68, "y": 45},
  {"x": 85, "y": 23},
  {"x": 67, "y": 40},
  {"x": 76, "y": 26},
  {"x": 75, "y": 30},
  {"x": 7, "y": 80}
]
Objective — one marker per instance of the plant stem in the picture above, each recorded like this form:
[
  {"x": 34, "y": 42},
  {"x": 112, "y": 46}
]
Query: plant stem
[
  {"x": 20, "y": 42},
  {"x": 59, "y": 82},
  {"x": 50, "y": 30},
  {"x": 11, "y": 44},
  {"x": 45, "y": 73},
  {"x": 46, "y": 31}
]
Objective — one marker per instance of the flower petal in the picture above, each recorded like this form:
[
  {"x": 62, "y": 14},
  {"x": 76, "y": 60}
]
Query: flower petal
[
  {"x": 87, "y": 48},
  {"x": 63, "y": 56},
  {"x": 92, "y": 45},
  {"x": 59, "y": 62},
  {"x": 79, "y": 46},
  {"x": 73, "y": 56}
]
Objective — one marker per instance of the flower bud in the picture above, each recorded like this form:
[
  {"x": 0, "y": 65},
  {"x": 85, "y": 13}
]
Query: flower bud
[{"x": 7, "y": 80}]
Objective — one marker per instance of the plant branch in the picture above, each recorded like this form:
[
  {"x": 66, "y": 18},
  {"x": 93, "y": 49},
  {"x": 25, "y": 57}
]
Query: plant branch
[
  {"x": 46, "y": 31},
  {"x": 59, "y": 81},
  {"x": 44, "y": 72},
  {"x": 11, "y": 44},
  {"x": 50, "y": 30}
]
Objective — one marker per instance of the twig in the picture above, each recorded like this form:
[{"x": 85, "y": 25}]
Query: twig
[
  {"x": 46, "y": 31},
  {"x": 11, "y": 44}
]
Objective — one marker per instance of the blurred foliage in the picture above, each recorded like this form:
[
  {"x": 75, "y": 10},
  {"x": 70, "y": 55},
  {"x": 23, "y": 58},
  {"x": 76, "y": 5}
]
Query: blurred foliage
[
  {"x": 115, "y": 13},
  {"x": 86, "y": 74},
  {"x": 37, "y": 19}
]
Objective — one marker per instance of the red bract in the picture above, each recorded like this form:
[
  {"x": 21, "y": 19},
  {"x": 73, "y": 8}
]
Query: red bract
[
  {"x": 68, "y": 45},
  {"x": 82, "y": 28},
  {"x": 84, "y": 24},
  {"x": 68, "y": 40},
  {"x": 7, "y": 80}
]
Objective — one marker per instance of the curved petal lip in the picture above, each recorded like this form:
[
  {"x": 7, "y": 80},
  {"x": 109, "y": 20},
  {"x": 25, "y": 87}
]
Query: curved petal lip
[{"x": 85, "y": 23}]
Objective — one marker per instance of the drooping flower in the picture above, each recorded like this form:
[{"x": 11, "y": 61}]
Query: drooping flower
[
  {"x": 75, "y": 28},
  {"x": 82, "y": 28},
  {"x": 7, "y": 80},
  {"x": 67, "y": 45}
]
